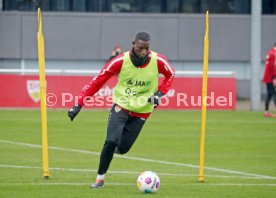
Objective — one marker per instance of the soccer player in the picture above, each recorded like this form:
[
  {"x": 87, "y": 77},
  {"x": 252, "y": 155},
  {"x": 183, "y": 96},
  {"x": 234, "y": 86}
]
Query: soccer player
[
  {"x": 269, "y": 79},
  {"x": 136, "y": 95}
]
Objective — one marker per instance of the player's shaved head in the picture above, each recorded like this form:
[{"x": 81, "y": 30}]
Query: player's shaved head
[{"x": 144, "y": 36}]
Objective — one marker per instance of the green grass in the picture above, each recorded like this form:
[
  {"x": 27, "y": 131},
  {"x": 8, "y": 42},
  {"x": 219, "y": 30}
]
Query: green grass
[{"x": 241, "y": 142}]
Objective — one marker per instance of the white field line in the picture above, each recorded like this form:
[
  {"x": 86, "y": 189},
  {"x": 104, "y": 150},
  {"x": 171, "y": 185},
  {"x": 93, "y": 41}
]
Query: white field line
[
  {"x": 268, "y": 121},
  {"x": 145, "y": 160},
  {"x": 130, "y": 184},
  {"x": 123, "y": 172}
]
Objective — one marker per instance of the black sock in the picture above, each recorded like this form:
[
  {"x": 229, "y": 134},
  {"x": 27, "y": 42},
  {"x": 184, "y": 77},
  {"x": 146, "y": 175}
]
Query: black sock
[{"x": 106, "y": 157}]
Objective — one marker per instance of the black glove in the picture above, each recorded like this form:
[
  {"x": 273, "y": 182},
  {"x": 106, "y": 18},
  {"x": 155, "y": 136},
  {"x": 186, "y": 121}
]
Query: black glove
[
  {"x": 155, "y": 99},
  {"x": 73, "y": 112}
]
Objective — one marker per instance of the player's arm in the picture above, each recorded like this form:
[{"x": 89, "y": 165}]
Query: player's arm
[
  {"x": 273, "y": 65},
  {"x": 110, "y": 69},
  {"x": 166, "y": 69}
]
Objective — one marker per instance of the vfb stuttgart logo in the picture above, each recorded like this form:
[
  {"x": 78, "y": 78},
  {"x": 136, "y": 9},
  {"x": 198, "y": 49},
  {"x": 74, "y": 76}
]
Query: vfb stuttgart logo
[{"x": 33, "y": 88}]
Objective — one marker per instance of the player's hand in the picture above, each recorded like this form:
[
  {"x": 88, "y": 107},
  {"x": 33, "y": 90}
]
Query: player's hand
[
  {"x": 274, "y": 82},
  {"x": 155, "y": 99},
  {"x": 73, "y": 112}
]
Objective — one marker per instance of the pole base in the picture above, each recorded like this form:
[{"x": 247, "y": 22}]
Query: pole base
[{"x": 201, "y": 178}]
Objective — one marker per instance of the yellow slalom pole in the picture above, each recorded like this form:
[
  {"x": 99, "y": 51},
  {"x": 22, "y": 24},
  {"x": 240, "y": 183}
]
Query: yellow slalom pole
[
  {"x": 204, "y": 95},
  {"x": 41, "y": 62}
]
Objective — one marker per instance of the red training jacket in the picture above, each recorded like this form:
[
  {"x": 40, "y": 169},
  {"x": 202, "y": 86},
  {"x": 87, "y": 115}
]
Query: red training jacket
[
  {"x": 270, "y": 66},
  {"x": 113, "y": 67}
]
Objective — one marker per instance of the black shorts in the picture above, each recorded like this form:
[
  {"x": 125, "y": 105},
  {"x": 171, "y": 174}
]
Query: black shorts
[
  {"x": 123, "y": 129},
  {"x": 270, "y": 89}
]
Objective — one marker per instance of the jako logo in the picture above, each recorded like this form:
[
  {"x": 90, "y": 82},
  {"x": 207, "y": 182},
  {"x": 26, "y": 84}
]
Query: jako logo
[{"x": 131, "y": 82}]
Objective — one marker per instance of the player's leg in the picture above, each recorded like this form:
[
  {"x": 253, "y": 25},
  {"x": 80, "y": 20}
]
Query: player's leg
[
  {"x": 116, "y": 123},
  {"x": 269, "y": 94},
  {"x": 130, "y": 134},
  {"x": 274, "y": 95}
]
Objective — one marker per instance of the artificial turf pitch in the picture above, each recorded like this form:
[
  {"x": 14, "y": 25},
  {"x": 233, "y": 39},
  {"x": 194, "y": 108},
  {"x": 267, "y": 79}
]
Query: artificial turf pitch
[{"x": 240, "y": 159}]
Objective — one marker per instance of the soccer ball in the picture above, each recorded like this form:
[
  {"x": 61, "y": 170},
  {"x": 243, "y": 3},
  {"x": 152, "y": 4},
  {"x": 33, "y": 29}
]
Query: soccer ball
[{"x": 148, "y": 182}]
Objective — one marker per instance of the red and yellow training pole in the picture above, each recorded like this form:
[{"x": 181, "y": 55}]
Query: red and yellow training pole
[
  {"x": 204, "y": 95},
  {"x": 41, "y": 62}
]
